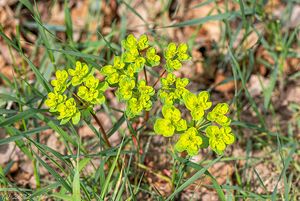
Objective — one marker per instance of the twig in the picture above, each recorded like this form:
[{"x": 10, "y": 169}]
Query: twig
[
  {"x": 145, "y": 73},
  {"x": 155, "y": 83},
  {"x": 104, "y": 135}
]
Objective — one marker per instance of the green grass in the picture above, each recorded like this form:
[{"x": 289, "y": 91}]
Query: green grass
[{"x": 119, "y": 176}]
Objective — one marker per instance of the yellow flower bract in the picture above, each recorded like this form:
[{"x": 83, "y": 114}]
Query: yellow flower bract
[
  {"x": 189, "y": 141},
  {"x": 79, "y": 73},
  {"x": 172, "y": 121},
  {"x": 219, "y": 138}
]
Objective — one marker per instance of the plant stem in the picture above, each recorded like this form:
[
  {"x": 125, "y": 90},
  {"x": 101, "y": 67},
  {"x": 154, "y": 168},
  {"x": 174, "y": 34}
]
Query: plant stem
[
  {"x": 101, "y": 128},
  {"x": 155, "y": 83},
  {"x": 146, "y": 77},
  {"x": 104, "y": 135},
  {"x": 146, "y": 118}
]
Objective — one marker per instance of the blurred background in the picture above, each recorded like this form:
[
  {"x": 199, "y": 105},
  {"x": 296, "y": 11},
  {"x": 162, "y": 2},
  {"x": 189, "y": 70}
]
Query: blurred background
[{"x": 246, "y": 53}]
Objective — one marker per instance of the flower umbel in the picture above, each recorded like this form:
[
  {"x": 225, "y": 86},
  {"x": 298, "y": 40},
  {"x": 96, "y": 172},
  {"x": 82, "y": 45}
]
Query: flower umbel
[
  {"x": 172, "y": 121},
  {"x": 92, "y": 90},
  {"x": 175, "y": 56},
  {"x": 197, "y": 104},
  {"x": 141, "y": 99},
  {"x": 54, "y": 99},
  {"x": 218, "y": 114},
  {"x": 152, "y": 58},
  {"x": 172, "y": 89},
  {"x": 132, "y": 43},
  {"x": 89, "y": 92},
  {"x": 113, "y": 72},
  {"x": 219, "y": 138},
  {"x": 126, "y": 87},
  {"x": 68, "y": 110},
  {"x": 60, "y": 84},
  {"x": 189, "y": 141},
  {"x": 79, "y": 74}
]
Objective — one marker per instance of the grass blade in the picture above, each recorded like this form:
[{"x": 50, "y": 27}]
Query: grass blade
[
  {"x": 22, "y": 135},
  {"x": 20, "y": 116},
  {"x": 198, "y": 167},
  {"x": 59, "y": 178},
  {"x": 193, "y": 179},
  {"x": 111, "y": 170},
  {"x": 76, "y": 186}
]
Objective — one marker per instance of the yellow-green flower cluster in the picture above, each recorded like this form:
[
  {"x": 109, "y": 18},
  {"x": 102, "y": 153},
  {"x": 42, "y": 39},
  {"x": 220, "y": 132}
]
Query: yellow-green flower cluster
[
  {"x": 192, "y": 134},
  {"x": 68, "y": 110},
  {"x": 125, "y": 90},
  {"x": 79, "y": 73},
  {"x": 90, "y": 92},
  {"x": 218, "y": 114},
  {"x": 132, "y": 60},
  {"x": 138, "y": 98},
  {"x": 172, "y": 89},
  {"x": 189, "y": 141},
  {"x": 175, "y": 56},
  {"x": 197, "y": 104},
  {"x": 54, "y": 99},
  {"x": 219, "y": 138},
  {"x": 172, "y": 121},
  {"x": 191, "y": 130},
  {"x": 192, "y": 137},
  {"x": 114, "y": 72},
  {"x": 57, "y": 97},
  {"x": 60, "y": 83},
  {"x": 123, "y": 74}
]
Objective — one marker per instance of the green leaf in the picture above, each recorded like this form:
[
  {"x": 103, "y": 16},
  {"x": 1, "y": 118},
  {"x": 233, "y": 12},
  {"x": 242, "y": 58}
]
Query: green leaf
[
  {"x": 28, "y": 5},
  {"x": 76, "y": 118},
  {"x": 111, "y": 170},
  {"x": 20, "y": 116},
  {"x": 237, "y": 73},
  {"x": 198, "y": 167},
  {"x": 86, "y": 115},
  {"x": 12, "y": 131},
  {"x": 192, "y": 179},
  {"x": 62, "y": 196},
  {"x": 54, "y": 173},
  {"x": 37, "y": 73},
  {"x": 134, "y": 11},
  {"x": 64, "y": 121},
  {"x": 205, "y": 141},
  {"x": 7, "y": 97},
  {"x": 60, "y": 131},
  {"x": 82, "y": 163},
  {"x": 76, "y": 186},
  {"x": 270, "y": 88},
  {"x": 116, "y": 126},
  {"x": 22, "y": 135},
  {"x": 68, "y": 21},
  {"x": 203, "y": 4},
  {"x": 43, "y": 190}
]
